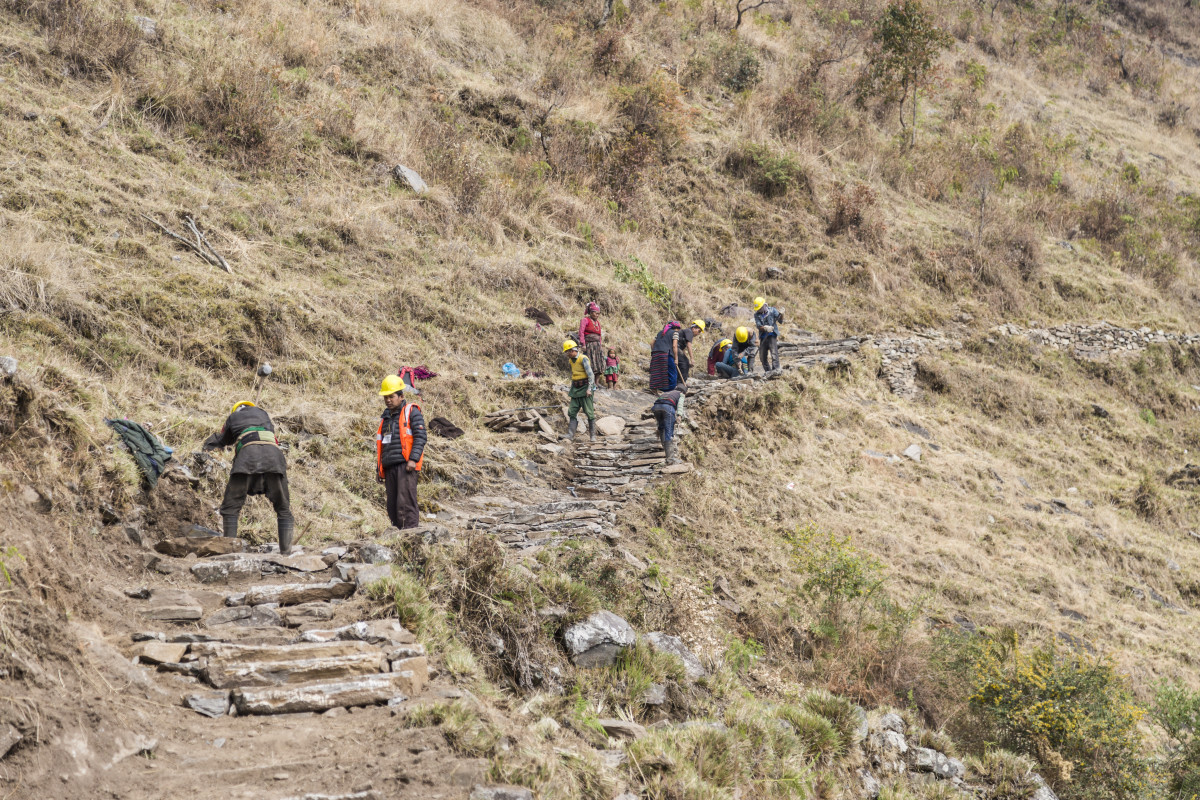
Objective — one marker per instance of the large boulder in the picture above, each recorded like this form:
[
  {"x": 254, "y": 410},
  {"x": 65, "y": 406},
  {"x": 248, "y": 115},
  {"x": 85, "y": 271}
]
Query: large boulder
[
  {"x": 598, "y": 640},
  {"x": 924, "y": 759},
  {"x": 661, "y": 642},
  {"x": 610, "y": 425}
]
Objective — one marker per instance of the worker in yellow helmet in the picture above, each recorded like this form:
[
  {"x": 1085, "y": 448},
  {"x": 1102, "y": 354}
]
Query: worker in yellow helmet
[
  {"x": 258, "y": 468},
  {"x": 399, "y": 453},
  {"x": 685, "y": 347},
  {"x": 722, "y": 358},
  {"x": 767, "y": 319},
  {"x": 745, "y": 345},
  {"x": 583, "y": 386}
]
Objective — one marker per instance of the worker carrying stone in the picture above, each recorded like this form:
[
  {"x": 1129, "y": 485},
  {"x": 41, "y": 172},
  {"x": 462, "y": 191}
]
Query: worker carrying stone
[
  {"x": 583, "y": 386},
  {"x": 399, "y": 453},
  {"x": 745, "y": 345},
  {"x": 767, "y": 319},
  {"x": 258, "y": 468},
  {"x": 665, "y": 408}
]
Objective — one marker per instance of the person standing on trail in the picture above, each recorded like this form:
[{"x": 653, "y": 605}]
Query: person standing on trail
[
  {"x": 258, "y": 468},
  {"x": 583, "y": 386},
  {"x": 590, "y": 336},
  {"x": 745, "y": 345},
  {"x": 664, "y": 358},
  {"x": 399, "y": 453},
  {"x": 767, "y": 319},
  {"x": 665, "y": 408},
  {"x": 720, "y": 359},
  {"x": 685, "y": 352}
]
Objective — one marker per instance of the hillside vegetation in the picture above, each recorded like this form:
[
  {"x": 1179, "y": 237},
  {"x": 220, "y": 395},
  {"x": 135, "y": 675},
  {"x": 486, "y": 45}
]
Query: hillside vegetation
[{"x": 664, "y": 160}]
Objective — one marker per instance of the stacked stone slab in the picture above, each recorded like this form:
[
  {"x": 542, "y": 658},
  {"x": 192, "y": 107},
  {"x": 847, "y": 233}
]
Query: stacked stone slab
[
  {"x": 900, "y": 353},
  {"x": 619, "y": 466},
  {"x": 1099, "y": 340},
  {"x": 549, "y": 523},
  {"x": 271, "y": 650}
]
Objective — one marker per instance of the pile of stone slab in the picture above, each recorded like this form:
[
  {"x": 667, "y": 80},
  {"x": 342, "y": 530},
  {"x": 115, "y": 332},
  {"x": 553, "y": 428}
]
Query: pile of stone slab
[
  {"x": 548, "y": 523},
  {"x": 519, "y": 420},
  {"x": 830, "y": 353}
]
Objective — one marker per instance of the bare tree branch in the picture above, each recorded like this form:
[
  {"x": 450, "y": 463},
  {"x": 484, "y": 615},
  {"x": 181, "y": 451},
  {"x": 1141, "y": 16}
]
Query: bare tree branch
[
  {"x": 201, "y": 247},
  {"x": 748, "y": 5}
]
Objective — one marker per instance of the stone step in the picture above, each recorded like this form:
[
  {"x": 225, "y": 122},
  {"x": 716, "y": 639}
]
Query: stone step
[
  {"x": 228, "y": 666},
  {"x": 366, "y": 690},
  {"x": 291, "y": 594}
]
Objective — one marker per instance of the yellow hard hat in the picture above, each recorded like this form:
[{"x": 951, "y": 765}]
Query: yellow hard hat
[
  {"x": 569, "y": 345},
  {"x": 239, "y": 404},
  {"x": 392, "y": 384},
  {"x": 742, "y": 335},
  {"x": 759, "y": 303},
  {"x": 721, "y": 345},
  {"x": 699, "y": 323}
]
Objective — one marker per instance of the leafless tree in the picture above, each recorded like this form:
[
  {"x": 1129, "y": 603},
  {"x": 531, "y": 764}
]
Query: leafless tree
[{"x": 744, "y": 6}]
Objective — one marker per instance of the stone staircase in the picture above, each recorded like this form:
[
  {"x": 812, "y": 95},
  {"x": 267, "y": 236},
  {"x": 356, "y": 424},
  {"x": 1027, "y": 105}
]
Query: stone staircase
[
  {"x": 288, "y": 638},
  {"x": 550, "y": 523}
]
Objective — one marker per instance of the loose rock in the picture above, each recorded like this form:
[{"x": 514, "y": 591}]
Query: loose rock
[
  {"x": 598, "y": 640},
  {"x": 210, "y": 704},
  {"x": 672, "y": 645},
  {"x": 501, "y": 793},
  {"x": 409, "y": 179}
]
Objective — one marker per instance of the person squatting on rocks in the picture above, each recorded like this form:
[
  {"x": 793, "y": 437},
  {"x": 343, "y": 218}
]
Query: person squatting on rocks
[
  {"x": 583, "y": 385},
  {"x": 767, "y": 319},
  {"x": 399, "y": 453},
  {"x": 258, "y": 468},
  {"x": 685, "y": 352},
  {"x": 590, "y": 336},
  {"x": 612, "y": 369},
  {"x": 664, "y": 358},
  {"x": 665, "y": 408},
  {"x": 721, "y": 359},
  {"x": 745, "y": 345}
]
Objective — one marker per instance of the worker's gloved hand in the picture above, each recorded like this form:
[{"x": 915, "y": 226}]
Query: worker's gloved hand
[{"x": 378, "y": 478}]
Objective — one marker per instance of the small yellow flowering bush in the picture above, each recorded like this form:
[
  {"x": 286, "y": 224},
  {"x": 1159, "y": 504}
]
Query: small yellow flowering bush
[{"x": 1073, "y": 713}]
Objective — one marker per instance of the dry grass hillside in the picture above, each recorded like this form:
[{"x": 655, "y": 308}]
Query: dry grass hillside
[{"x": 665, "y": 165}]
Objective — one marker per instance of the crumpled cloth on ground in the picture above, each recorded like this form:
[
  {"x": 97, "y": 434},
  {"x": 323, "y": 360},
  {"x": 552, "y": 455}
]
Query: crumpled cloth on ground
[
  {"x": 445, "y": 428},
  {"x": 148, "y": 452}
]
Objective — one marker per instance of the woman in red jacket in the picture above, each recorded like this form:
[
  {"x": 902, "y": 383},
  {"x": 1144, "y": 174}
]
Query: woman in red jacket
[{"x": 590, "y": 335}]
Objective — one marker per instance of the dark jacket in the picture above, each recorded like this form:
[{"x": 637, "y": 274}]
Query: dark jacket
[
  {"x": 768, "y": 317},
  {"x": 393, "y": 452},
  {"x": 250, "y": 459},
  {"x": 149, "y": 453},
  {"x": 672, "y": 400}
]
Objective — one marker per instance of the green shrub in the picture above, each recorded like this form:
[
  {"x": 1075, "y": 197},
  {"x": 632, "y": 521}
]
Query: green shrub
[
  {"x": 1176, "y": 710},
  {"x": 835, "y": 571},
  {"x": 741, "y": 656},
  {"x": 769, "y": 174},
  {"x": 1075, "y": 714},
  {"x": 638, "y": 274}
]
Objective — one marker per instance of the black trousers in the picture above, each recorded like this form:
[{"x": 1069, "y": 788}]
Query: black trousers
[
  {"x": 685, "y": 367},
  {"x": 769, "y": 349},
  {"x": 273, "y": 484},
  {"x": 400, "y": 487}
]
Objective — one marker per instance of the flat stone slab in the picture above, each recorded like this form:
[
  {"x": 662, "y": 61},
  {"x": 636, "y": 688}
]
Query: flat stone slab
[
  {"x": 172, "y": 605},
  {"x": 376, "y": 631},
  {"x": 295, "y": 616},
  {"x": 366, "y": 690},
  {"x": 245, "y": 617},
  {"x": 160, "y": 652},
  {"x": 202, "y": 546},
  {"x": 292, "y": 594},
  {"x": 210, "y": 704},
  {"x": 235, "y": 665}
]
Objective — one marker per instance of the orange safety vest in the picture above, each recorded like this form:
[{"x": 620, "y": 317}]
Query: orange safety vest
[{"x": 406, "y": 439}]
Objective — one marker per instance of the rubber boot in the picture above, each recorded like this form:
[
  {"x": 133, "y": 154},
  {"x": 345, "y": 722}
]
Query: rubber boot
[
  {"x": 286, "y": 526},
  {"x": 230, "y": 526},
  {"x": 572, "y": 426},
  {"x": 672, "y": 453},
  {"x": 591, "y": 430}
]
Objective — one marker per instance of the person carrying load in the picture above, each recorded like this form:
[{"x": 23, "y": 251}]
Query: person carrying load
[
  {"x": 583, "y": 385},
  {"x": 399, "y": 453},
  {"x": 258, "y": 468}
]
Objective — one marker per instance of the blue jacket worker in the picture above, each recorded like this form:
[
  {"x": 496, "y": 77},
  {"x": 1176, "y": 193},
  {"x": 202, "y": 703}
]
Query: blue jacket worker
[
  {"x": 665, "y": 408},
  {"x": 767, "y": 319}
]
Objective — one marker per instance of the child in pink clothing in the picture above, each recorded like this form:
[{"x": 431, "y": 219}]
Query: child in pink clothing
[{"x": 612, "y": 368}]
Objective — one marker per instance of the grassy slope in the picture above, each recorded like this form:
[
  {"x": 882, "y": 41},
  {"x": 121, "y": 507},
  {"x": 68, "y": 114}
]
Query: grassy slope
[{"x": 339, "y": 276}]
